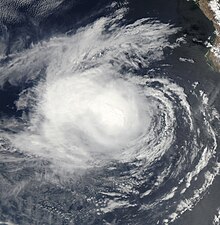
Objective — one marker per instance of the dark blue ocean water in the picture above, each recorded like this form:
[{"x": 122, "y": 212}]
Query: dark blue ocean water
[{"x": 37, "y": 202}]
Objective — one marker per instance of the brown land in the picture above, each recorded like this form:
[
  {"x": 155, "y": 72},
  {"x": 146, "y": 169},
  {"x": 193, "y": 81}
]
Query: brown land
[{"x": 204, "y": 6}]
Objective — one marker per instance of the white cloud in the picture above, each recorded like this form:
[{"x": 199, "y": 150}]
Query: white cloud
[{"x": 86, "y": 110}]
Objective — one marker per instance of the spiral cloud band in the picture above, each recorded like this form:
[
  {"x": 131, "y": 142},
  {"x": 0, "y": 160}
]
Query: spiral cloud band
[
  {"x": 91, "y": 106},
  {"x": 86, "y": 109}
]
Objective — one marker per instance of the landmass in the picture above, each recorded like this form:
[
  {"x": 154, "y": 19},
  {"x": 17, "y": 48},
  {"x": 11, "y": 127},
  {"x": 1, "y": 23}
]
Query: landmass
[{"x": 211, "y": 9}]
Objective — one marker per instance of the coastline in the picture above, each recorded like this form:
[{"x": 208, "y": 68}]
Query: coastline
[{"x": 213, "y": 54}]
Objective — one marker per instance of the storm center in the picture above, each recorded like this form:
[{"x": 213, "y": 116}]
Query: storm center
[{"x": 111, "y": 113}]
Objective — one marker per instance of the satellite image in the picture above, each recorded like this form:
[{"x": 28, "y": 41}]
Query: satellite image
[{"x": 109, "y": 112}]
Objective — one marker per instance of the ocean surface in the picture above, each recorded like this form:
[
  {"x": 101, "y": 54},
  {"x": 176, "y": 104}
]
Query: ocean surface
[{"x": 109, "y": 114}]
